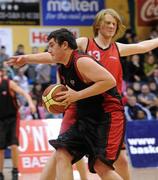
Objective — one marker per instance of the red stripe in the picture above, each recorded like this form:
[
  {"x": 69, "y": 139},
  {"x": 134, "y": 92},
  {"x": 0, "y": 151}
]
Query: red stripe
[
  {"x": 17, "y": 124},
  {"x": 115, "y": 135}
]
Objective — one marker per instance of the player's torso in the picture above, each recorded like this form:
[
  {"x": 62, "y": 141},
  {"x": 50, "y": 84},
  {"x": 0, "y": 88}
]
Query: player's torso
[
  {"x": 70, "y": 76},
  {"x": 8, "y": 105},
  {"x": 110, "y": 59}
]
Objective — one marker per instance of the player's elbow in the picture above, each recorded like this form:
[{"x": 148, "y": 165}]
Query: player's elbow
[
  {"x": 112, "y": 81},
  {"x": 109, "y": 82}
]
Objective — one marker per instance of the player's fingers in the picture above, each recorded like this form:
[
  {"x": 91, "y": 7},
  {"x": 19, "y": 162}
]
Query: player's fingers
[
  {"x": 64, "y": 103},
  {"x": 68, "y": 87},
  {"x": 67, "y": 105},
  {"x": 60, "y": 98},
  {"x": 10, "y": 61},
  {"x": 62, "y": 93}
]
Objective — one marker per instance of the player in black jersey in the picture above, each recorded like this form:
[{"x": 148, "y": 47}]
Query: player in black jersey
[
  {"x": 87, "y": 80},
  {"x": 9, "y": 120}
]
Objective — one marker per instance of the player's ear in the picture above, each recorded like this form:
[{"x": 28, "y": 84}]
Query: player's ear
[{"x": 65, "y": 45}]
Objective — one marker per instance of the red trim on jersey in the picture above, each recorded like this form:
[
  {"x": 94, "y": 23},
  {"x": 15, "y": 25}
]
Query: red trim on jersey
[
  {"x": 17, "y": 124},
  {"x": 70, "y": 59},
  {"x": 77, "y": 71},
  {"x": 69, "y": 118},
  {"x": 115, "y": 133}
]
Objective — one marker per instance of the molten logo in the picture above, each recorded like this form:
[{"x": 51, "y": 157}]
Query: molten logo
[
  {"x": 72, "y": 5},
  {"x": 149, "y": 11}
]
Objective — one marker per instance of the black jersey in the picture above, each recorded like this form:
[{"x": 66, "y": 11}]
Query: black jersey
[
  {"x": 8, "y": 104},
  {"x": 87, "y": 136},
  {"x": 70, "y": 76}
]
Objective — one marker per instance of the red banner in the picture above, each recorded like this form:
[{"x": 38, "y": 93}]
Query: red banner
[
  {"x": 147, "y": 12},
  {"x": 34, "y": 147}
]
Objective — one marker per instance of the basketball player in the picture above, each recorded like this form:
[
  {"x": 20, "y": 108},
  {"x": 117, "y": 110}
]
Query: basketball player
[
  {"x": 9, "y": 121},
  {"x": 90, "y": 135},
  {"x": 107, "y": 27},
  {"x": 110, "y": 24}
]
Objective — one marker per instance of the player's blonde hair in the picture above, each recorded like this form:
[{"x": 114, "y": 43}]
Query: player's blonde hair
[{"x": 100, "y": 17}]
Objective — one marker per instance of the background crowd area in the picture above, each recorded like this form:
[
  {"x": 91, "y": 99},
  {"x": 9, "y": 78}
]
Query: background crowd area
[{"x": 140, "y": 86}]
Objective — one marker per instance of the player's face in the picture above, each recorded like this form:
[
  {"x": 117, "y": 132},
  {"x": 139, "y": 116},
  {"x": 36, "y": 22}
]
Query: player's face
[
  {"x": 108, "y": 26},
  {"x": 55, "y": 50}
]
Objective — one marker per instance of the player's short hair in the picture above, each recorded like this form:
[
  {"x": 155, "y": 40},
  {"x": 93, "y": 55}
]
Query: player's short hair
[{"x": 62, "y": 35}]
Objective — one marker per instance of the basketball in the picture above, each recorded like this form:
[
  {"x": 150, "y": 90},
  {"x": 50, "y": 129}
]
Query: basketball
[{"x": 49, "y": 98}]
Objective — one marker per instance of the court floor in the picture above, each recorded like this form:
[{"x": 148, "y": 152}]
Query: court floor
[
  {"x": 36, "y": 176},
  {"x": 137, "y": 174},
  {"x": 7, "y": 175}
]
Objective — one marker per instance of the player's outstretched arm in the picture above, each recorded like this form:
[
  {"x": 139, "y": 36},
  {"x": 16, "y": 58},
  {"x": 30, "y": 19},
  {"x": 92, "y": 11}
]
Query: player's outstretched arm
[
  {"x": 137, "y": 48},
  {"x": 40, "y": 58}
]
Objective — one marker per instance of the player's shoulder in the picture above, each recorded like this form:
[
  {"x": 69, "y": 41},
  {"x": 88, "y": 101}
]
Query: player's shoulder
[
  {"x": 82, "y": 43},
  {"x": 82, "y": 39}
]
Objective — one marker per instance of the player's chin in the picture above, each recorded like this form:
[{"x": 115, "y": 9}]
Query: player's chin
[{"x": 111, "y": 34}]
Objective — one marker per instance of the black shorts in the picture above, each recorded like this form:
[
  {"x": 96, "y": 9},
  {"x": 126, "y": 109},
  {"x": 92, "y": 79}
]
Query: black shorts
[
  {"x": 8, "y": 132},
  {"x": 85, "y": 138}
]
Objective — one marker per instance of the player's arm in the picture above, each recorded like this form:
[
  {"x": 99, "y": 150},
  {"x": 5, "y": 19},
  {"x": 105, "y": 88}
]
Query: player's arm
[
  {"x": 91, "y": 72},
  {"x": 82, "y": 43},
  {"x": 137, "y": 48},
  {"x": 15, "y": 88},
  {"x": 39, "y": 58}
]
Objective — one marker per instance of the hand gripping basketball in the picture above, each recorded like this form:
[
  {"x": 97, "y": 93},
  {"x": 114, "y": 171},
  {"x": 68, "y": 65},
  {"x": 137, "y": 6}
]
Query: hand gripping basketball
[{"x": 49, "y": 99}]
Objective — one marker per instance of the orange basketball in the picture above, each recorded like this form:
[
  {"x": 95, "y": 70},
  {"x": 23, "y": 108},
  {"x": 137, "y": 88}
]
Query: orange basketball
[{"x": 49, "y": 98}]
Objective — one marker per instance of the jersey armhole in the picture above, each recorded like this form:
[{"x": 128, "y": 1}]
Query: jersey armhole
[
  {"x": 117, "y": 49},
  {"x": 87, "y": 45}
]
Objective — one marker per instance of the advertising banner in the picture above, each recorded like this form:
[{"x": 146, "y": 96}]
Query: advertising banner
[
  {"x": 38, "y": 36},
  {"x": 142, "y": 143},
  {"x": 70, "y": 12},
  {"x": 23, "y": 12},
  {"x": 147, "y": 12},
  {"x": 34, "y": 147},
  {"x": 6, "y": 40}
]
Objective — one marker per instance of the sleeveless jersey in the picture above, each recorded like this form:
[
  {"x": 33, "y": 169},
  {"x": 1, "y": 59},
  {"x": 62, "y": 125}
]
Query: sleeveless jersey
[
  {"x": 8, "y": 104},
  {"x": 110, "y": 59},
  {"x": 70, "y": 76}
]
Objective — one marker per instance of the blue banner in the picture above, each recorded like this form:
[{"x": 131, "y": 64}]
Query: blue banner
[
  {"x": 70, "y": 12},
  {"x": 142, "y": 143}
]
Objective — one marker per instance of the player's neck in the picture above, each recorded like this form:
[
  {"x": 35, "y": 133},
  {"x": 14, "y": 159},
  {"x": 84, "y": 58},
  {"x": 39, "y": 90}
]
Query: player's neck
[
  {"x": 67, "y": 57},
  {"x": 102, "y": 41}
]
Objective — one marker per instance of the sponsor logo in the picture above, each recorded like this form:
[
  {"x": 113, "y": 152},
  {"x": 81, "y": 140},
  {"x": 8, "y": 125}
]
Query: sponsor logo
[
  {"x": 72, "y": 82},
  {"x": 4, "y": 93},
  {"x": 149, "y": 11},
  {"x": 38, "y": 36},
  {"x": 112, "y": 57},
  {"x": 142, "y": 146},
  {"x": 71, "y": 5}
]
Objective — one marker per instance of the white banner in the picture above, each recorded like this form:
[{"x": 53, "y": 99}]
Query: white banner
[
  {"x": 6, "y": 40},
  {"x": 38, "y": 36}
]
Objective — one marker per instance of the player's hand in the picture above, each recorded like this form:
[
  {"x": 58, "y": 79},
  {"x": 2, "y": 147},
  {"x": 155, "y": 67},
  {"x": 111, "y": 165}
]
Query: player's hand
[
  {"x": 68, "y": 97},
  {"x": 17, "y": 61},
  {"x": 32, "y": 108}
]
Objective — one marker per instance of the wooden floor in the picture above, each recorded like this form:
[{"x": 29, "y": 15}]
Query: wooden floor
[
  {"x": 137, "y": 174},
  {"x": 7, "y": 175}
]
